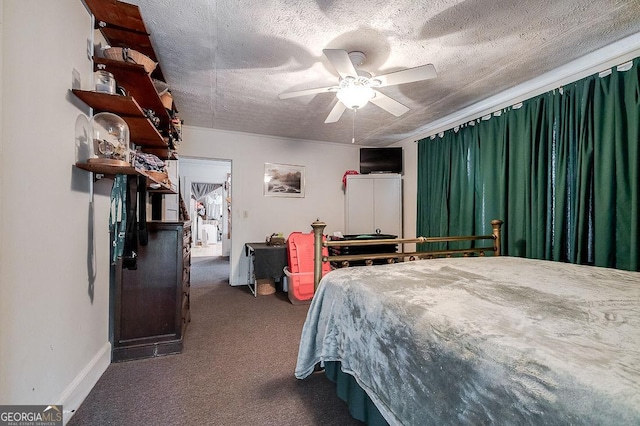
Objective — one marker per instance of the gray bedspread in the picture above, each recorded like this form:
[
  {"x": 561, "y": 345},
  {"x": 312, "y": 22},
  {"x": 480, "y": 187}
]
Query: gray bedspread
[{"x": 496, "y": 340}]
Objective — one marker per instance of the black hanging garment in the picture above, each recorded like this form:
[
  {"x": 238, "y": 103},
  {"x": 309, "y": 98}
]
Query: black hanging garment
[
  {"x": 129, "y": 255},
  {"x": 143, "y": 233}
]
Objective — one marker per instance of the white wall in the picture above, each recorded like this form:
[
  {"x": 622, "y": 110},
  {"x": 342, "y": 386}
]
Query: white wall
[
  {"x": 256, "y": 216},
  {"x": 53, "y": 326}
]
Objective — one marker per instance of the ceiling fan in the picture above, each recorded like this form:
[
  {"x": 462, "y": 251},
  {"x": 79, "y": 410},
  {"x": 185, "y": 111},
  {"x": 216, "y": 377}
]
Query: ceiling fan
[{"x": 356, "y": 87}]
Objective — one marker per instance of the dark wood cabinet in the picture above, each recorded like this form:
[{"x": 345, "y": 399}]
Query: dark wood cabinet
[
  {"x": 152, "y": 302},
  {"x": 149, "y": 304}
]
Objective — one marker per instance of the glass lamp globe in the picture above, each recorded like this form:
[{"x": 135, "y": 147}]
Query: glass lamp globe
[
  {"x": 110, "y": 140},
  {"x": 355, "y": 93}
]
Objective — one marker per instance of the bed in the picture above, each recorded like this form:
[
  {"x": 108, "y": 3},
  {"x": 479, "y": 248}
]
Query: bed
[{"x": 481, "y": 340}]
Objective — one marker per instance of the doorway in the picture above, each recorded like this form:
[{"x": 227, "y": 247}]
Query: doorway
[
  {"x": 206, "y": 188},
  {"x": 206, "y": 210}
]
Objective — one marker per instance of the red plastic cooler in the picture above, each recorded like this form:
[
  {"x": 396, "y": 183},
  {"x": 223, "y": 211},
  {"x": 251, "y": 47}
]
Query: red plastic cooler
[{"x": 300, "y": 270}]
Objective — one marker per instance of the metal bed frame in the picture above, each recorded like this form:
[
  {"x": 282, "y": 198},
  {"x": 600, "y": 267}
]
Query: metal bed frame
[{"x": 344, "y": 260}]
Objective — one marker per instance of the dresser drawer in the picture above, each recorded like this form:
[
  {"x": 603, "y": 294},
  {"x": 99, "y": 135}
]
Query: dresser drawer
[
  {"x": 186, "y": 277},
  {"x": 186, "y": 309}
]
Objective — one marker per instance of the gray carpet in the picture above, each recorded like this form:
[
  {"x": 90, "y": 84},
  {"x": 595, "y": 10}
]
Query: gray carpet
[
  {"x": 236, "y": 368},
  {"x": 208, "y": 270}
]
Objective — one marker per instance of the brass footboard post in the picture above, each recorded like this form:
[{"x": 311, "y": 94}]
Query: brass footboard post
[
  {"x": 496, "y": 224},
  {"x": 318, "y": 230}
]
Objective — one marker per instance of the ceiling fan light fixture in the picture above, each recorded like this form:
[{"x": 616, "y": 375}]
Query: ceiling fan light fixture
[
  {"x": 355, "y": 93},
  {"x": 356, "y": 87}
]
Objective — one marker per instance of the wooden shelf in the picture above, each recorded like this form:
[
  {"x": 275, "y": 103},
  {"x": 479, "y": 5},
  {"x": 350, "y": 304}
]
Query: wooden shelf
[
  {"x": 122, "y": 25},
  {"x": 118, "y": 14},
  {"x": 121, "y": 105},
  {"x": 147, "y": 135},
  {"x": 108, "y": 170},
  {"x": 162, "y": 153},
  {"x": 117, "y": 37},
  {"x": 142, "y": 131},
  {"x": 154, "y": 185},
  {"x": 136, "y": 81}
]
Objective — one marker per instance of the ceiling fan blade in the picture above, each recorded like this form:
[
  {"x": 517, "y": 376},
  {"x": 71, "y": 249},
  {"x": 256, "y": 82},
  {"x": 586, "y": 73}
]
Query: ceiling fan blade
[
  {"x": 341, "y": 62},
  {"x": 388, "y": 104},
  {"x": 424, "y": 72},
  {"x": 336, "y": 112},
  {"x": 288, "y": 95}
]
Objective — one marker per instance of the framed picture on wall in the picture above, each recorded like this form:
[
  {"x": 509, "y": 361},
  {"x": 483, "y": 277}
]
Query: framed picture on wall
[{"x": 283, "y": 180}]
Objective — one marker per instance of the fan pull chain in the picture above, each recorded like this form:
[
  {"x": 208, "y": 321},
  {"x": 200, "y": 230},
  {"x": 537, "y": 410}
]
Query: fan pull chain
[{"x": 353, "y": 135}]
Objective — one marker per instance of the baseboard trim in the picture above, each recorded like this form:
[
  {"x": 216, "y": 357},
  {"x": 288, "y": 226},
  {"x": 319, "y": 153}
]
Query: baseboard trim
[
  {"x": 147, "y": 350},
  {"x": 80, "y": 387}
]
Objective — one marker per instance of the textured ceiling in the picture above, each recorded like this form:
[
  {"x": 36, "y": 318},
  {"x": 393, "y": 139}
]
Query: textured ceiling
[{"x": 227, "y": 60}]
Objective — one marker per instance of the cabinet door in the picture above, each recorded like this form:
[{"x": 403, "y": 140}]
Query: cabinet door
[
  {"x": 359, "y": 206},
  {"x": 373, "y": 202},
  {"x": 150, "y": 297},
  {"x": 387, "y": 205}
]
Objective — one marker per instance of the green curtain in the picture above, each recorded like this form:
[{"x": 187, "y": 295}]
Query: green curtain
[
  {"x": 561, "y": 171},
  {"x": 434, "y": 204}
]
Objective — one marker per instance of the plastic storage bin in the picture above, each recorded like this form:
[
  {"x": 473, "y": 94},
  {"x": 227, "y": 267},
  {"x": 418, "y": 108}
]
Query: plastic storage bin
[
  {"x": 300, "y": 286},
  {"x": 299, "y": 273}
]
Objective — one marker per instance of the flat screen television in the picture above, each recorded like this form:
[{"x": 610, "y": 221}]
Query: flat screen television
[{"x": 381, "y": 160}]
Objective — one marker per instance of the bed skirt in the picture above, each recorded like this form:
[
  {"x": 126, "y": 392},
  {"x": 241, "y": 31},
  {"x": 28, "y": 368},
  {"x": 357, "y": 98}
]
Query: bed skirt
[{"x": 360, "y": 405}]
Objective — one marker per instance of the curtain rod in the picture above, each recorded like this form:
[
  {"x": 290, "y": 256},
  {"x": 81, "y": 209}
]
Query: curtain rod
[{"x": 608, "y": 57}]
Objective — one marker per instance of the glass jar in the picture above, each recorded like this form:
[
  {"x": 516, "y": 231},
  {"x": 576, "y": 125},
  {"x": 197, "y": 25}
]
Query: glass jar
[
  {"x": 110, "y": 140},
  {"x": 104, "y": 82}
]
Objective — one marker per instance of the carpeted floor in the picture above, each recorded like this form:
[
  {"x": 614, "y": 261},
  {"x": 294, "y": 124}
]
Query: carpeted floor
[
  {"x": 206, "y": 271},
  {"x": 236, "y": 368}
]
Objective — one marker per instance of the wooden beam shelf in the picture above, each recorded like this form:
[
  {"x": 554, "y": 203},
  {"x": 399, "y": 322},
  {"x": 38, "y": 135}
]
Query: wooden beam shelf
[
  {"x": 136, "y": 81},
  {"x": 121, "y": 105},
  {"x": 122, "y": 25},
  {"x": 142, "y": 131},
  {"x": 108, "y": 170}
]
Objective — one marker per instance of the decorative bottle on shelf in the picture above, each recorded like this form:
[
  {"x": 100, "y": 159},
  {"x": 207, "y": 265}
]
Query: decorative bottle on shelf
[
  {"x": 104, "y": 82},
  {"x": 110, "y": 140}
]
